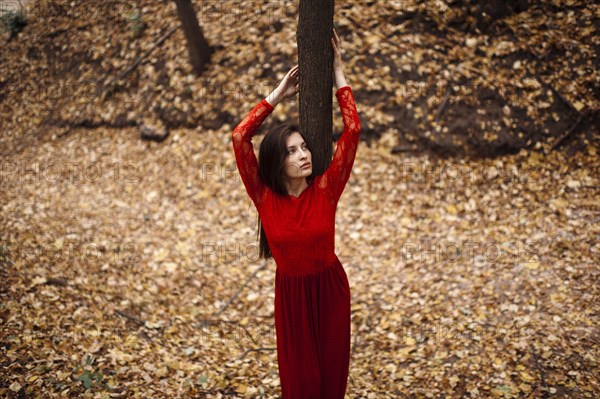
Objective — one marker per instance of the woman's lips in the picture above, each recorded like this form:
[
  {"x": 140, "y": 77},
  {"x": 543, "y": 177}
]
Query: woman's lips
[{"x": 305, "y": 165}]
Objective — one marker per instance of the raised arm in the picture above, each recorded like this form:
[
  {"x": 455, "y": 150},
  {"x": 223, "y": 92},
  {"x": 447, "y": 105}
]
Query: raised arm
[
  {"x": 244, "y": 151},
  {"x": 242, "y": 135},
  {"x": 337, "y": 174}
]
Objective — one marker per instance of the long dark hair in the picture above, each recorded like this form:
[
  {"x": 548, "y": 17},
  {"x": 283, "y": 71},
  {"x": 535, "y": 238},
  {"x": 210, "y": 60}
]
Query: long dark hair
[{"x": 271, "y": 171}]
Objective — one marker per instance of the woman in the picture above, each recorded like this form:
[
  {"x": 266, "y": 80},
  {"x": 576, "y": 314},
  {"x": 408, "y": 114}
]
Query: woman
[{"x": 297, "y": 213}]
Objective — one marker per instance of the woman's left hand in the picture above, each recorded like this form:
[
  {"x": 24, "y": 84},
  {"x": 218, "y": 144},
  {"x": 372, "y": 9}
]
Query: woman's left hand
[
  {"x": 338, "y": 70},
  {"x": 336, "y": 43}
]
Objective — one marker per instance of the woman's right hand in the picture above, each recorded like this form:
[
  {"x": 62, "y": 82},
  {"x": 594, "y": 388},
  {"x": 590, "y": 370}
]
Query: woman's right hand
[{"x": 288, "y": 87}]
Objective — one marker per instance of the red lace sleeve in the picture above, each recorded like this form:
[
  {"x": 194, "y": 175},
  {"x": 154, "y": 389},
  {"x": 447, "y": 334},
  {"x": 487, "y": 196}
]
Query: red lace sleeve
[
  {"x": 337, "y": 174},
  {"x": 244, "y": 151}
]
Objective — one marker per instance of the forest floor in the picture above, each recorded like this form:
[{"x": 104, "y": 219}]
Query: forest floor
[
  {"x": 129, "y": 268},
  {"x": 125, "y": 263},
  {"x": 474, "y": 78}
]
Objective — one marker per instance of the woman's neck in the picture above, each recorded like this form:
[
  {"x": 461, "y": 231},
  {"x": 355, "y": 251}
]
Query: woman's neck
[{"x": 296, "y": 186}]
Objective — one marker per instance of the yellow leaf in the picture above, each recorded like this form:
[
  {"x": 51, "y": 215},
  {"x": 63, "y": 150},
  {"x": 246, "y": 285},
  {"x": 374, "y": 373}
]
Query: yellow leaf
[
  {"x": 452, "y": 209},
  {"x": 453, "y": 381},
  {"x": 15, "y": 387},
  {"x": 161, "y": 254},
  {"x": 533, "y": 265},
  {"x": 61, "y": 375},
  {"x": 183, "y": 248},
  {"x": 170, "y": 267},
  {"x": 535, "y": 159},
  {"x": 38, "y": 280},
  {"x": 202, "y": 194},
  {"x": 526, "y": 377},
  {"x": 241, "y": 388},
  {"x": 120, "y": 356},
  {"x": 405, "y": 351},
  {"x": 524, "y": 387},
  {"x": 161, "y": 372},
  {"x": 560, "y": 203},
  {"x": 174, "y": 365}
]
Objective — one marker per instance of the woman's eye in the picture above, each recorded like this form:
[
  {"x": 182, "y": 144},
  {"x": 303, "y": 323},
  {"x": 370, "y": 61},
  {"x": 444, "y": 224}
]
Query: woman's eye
[{"x": 304, "y": 147}]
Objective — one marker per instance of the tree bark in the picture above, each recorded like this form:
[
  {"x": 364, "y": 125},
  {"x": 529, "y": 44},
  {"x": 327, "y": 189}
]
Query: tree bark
[
  {"x": 198, "y": 48},
  {"x": 315, "y": 60}
]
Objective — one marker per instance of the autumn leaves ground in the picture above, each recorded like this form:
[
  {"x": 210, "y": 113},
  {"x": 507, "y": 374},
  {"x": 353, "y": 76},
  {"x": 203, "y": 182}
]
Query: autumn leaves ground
[{"x": 128, "y": 270}]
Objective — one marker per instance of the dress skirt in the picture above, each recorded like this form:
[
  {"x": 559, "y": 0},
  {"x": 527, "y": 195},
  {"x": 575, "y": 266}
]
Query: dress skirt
[{"x": 312, "y": 322}]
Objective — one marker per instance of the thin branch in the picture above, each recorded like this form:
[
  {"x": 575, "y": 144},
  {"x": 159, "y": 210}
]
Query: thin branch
[
  {"x": 239, "y": 290},
  {"x": 131, "y": 317},
  {"x": 362, "y": 323},
  {"x": 444, "y": 102},
  {"x": 139, "y": 60},
  {"x": 567, "y": 133},
  {"x": 438, "y": 113},
  {"x": 107, "y": 89},
  {"x": 255, "y": 350},
  {"x": 539, "y": 368}
]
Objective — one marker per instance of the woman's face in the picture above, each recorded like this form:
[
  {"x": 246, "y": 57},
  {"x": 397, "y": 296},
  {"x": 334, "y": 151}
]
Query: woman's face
[{"x": 298, "y": 162}]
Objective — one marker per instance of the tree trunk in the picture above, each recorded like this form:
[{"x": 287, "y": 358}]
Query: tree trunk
[
  {"x": 198, "y": 48},
  {"x": 315, "y": 60}
]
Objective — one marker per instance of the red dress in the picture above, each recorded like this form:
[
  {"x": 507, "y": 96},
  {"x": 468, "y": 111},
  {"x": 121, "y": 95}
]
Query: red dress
[{"x": 312, "y": 294}]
